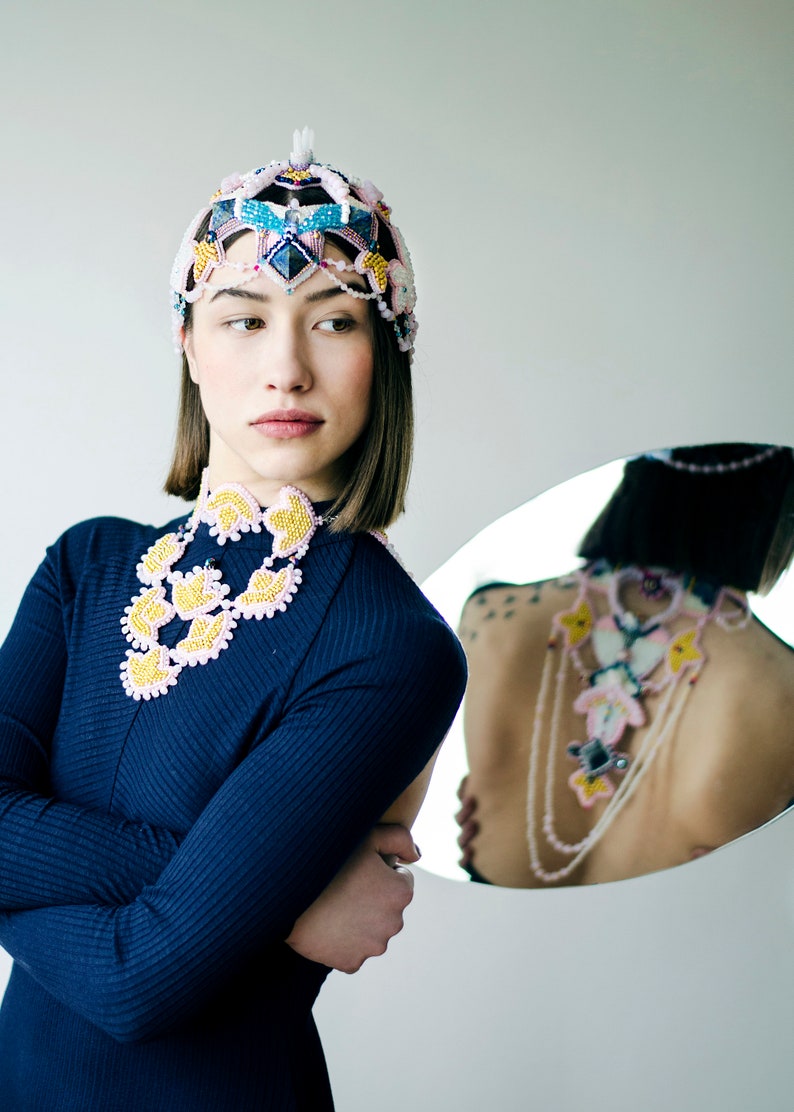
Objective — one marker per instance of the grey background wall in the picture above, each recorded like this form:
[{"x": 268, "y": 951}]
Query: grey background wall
[{"x": 597, "y": 196}]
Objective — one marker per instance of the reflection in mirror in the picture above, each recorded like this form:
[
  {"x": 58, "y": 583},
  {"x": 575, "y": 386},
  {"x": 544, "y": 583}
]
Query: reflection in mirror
[{"x": 630, "y": 708}]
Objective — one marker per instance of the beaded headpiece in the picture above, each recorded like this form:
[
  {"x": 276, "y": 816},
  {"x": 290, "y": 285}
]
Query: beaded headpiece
[{"x": 291, "y": 238}]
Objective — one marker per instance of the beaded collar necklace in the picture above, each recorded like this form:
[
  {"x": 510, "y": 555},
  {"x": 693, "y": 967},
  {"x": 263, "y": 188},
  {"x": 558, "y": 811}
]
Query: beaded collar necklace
[
  {"x": 624, "y": 653},
  {"x": 200, "y": 596}
]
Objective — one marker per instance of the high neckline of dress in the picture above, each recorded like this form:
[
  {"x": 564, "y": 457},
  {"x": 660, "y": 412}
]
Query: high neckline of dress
[{"x": 207, "y": 491}]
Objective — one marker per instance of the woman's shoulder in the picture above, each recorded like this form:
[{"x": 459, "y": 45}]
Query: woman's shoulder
[
  {"x": 382, "y": 599},
  {"x": 500, "y": 600},
  {"x": 104, "y": 538},
  {"x": 377, "y": 569},
  {"x": 502, "y": 589}
]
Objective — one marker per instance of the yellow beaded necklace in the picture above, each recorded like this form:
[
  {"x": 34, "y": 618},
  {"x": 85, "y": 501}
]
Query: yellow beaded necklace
[{"x": 200, "y": 596}]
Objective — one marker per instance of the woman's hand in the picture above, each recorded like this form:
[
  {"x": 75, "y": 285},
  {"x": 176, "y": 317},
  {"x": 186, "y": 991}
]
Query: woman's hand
[
  {"x": 467, "y": 822},
  {"x": 362, "y": 907}
]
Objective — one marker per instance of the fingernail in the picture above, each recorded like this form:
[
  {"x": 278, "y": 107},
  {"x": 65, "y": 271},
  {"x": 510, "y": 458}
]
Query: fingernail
[{"x": 418, "y": 850}]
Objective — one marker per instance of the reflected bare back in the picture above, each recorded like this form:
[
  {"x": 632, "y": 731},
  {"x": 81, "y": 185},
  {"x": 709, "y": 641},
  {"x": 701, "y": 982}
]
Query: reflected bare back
[{"x": 725, "y": 769}]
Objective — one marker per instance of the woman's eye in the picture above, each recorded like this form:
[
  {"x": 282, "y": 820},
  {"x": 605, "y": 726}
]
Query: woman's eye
[
  {"x": 336, "y": 324},
  {"x": 246, "y": 324}
]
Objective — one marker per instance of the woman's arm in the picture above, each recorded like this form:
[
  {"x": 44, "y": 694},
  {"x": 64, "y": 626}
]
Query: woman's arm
[
  {"x": 267, "y": 844},
  {"x": 362, "y": 908},
  {"x": 53, "y": 852},
  {"x": 406, "y": 806}
]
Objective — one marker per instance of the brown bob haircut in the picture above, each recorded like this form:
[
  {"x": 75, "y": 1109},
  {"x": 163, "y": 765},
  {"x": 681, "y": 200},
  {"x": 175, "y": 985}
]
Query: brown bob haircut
[
  {"x": 734, "y": 528},
  {"x": 378, "y": 465}
]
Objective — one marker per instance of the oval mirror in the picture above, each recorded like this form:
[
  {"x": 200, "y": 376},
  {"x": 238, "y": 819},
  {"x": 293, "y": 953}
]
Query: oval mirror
[{"x": 621, "y": 717}]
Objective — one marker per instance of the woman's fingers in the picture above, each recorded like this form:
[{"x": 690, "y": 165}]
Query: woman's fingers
[{"x": 394, "y": 843}]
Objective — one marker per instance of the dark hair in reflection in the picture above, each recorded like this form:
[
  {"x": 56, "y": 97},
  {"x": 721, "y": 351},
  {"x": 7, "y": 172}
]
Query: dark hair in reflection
[
  {"x": 377, "y": 466},
  {"x": 732, "y": 527}
]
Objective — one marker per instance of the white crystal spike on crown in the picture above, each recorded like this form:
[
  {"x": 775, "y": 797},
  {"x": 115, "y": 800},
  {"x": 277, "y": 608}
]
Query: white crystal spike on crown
[{"x": 302, "y": 143}]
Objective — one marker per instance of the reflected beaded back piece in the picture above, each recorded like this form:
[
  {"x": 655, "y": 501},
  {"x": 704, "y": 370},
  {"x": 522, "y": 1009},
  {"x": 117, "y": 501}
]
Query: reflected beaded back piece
[
  {"x": 291, "y": 239},
  {"x": 627, "y": 653}
]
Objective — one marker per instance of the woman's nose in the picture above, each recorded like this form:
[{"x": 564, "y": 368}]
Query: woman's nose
[{"x": 286, "y": 364}]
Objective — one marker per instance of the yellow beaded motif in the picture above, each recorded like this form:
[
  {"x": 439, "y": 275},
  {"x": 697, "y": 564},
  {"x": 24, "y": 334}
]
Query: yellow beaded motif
[
  {"x": 198, "y": 592},
  {"x": 205, "y": 639},
  {"x": 152, "y": 670},
  {"x": 157, "y": 560},
  {"x": 148, "y": 612},
  {"x": 683, "y": 651},
  {"x": 206, "y": 253},
  {"x": 379, "y": 267},
  {"x": 231, "y": 511},
  {"x": 591, "y": 789},
  {"x": 291, "y": 521},
  {"x": 267, "y": 592},
  {"x": 577, "y": 624}
]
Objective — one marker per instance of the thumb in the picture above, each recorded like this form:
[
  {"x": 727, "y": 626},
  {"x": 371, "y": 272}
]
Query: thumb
[{"x": 393, "y": 840}]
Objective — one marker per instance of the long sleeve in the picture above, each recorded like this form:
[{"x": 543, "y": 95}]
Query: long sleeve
[
  {"x": 370, "y": 703},
  {"x": 54, "y": 852}
]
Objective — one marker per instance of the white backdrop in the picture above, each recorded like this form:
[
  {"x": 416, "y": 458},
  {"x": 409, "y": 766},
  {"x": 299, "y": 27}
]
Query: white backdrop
[{"x": 597, "y": 196}]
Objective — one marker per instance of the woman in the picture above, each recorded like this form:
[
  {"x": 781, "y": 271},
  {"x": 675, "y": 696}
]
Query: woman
[
  {"x": 201, "y": 725},
  {"x": 634, "y": 715}
]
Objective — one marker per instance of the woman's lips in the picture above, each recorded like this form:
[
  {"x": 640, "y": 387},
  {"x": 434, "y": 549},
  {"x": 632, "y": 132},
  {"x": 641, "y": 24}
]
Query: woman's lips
[{"x": 286, "y": 424}]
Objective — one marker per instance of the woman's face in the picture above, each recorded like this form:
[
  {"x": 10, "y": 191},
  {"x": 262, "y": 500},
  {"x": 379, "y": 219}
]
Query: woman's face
[{"x": 285, "y": 379}]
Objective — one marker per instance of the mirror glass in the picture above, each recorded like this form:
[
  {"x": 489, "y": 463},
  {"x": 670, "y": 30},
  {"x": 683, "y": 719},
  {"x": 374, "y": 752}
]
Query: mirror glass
[{"x": 656, "y": 726}]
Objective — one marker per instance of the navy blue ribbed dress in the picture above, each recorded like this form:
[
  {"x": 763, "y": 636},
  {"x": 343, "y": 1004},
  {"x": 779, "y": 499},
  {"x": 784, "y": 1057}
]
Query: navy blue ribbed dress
[{"x": 153, "y": 854}]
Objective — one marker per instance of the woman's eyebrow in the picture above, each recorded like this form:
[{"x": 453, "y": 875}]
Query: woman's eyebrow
[
  {"x": 255, "y": 295},
  {"x": 240, "y": 291},
  {"x": 333, "y": 291}
]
